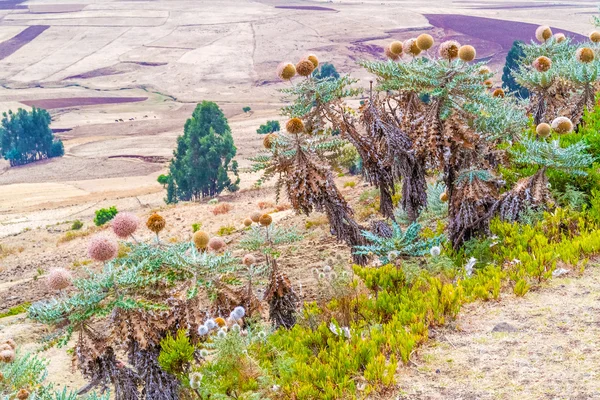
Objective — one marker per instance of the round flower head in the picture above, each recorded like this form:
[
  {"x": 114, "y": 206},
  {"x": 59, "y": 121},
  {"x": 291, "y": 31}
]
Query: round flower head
[
  {"x": 270, "y": 140},
  {"x": 444, "y": 197},
  {"x": 543, "y": 129},
  {"x": 247, "y": 222},
  {"x": 249, "y": 260},
  {"x": 467, "y": 53},
  {"x": 305, "y": 67},
  {"x": 390, "y": 54},
  {"x": 220, "y": 322},
  {"x": 103, "y": 248},
  {"x": 498, "y": 93},
  {"x": 23, "y": 394},
  {"x": 321, "y": 275},
  {"x": 125, "y": 224},
  {"x": 449, "y": 50},
  {"x": 396, "y": 47},
  {"x": 201, "y": 240},
  {"x": 484, "y": 70},
  {"x": 295, "y": 125},
  {"x": 327, "y": 268},
  {"x": 156, "y": 223},
  {"x": 195, "y": 380},
  {"x": 562, "y": 125},
  {"x": 236, "y": 328},
  {"x": 7, "y": 356},
  {"x": 411, "y": 48},
  {"x": 203, "y": 330},
  {"x": 425, "y": 41},
  {"x": 543, "y": 33},
  {"x": 435, "y": 251},
  {"x": 559, "y": 37},
  {"x": 59, "y": 279},
  {"x": 203, "y": 353},
  {"x": 210, "y": 324},
  {"x": 585, "y": 55},
  {"x": 313, "y": 59},
  {"x": 542, "y": 64},
  {"x": 255, "y": 216},
  {"x": 262, "y": 335},
  {"x": 266, "y": 220},
  {"x": 488, "y": 82},
  {"x": 222, "y": 333},
  {"x": 286, "y": 71},
  {"x": 238, "y": 312},
  {"x": 595, "y": 37},
  {"x": 11, "y": 343},
  {"x": 216, "y": 244}
]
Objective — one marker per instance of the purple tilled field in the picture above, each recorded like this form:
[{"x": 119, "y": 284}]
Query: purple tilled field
[
  {"x": 12, "y": 5},
  {"x": 498, "y": 31},
  {"x": 80, "y": 101},
  {"x": 13, "y": 44}
]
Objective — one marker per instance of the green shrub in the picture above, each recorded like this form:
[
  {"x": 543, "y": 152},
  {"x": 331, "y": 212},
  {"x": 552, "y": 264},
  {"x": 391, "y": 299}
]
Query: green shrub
[
  {"x": 77, "y": 225},
  {"x": 226, "y": 230},
  {"x": 176, "y": 353},
  {"x": 104, "y": 215},
  {"x": 196, "y": 226},
  {"x": 269, "y": 127}
]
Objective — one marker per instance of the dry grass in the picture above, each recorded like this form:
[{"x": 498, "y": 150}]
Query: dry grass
[
  {"x": 222, "y": 208},
  {"x": 72, "y": 235},
  {"x": 6, "y": 250}
]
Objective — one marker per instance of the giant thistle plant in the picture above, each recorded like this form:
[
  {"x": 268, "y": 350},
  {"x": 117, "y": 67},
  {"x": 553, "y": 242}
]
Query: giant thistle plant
[
  {"x": 128, "y": 308},
  {"x": 562, "y": 76}
]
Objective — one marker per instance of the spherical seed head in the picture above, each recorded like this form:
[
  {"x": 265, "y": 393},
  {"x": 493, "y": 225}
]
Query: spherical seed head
[
  {"x": 59, "y": 279},
  {"x": 449, "y": 49},
  {"x": 396, "y": 47},
  {"x": 249, "y": 260},
  {"x": 543, "y": 33},
  {"x": 585, "y": 55},
  {"x": 222, "y": 333},
  {"x": 559, "y": 37},
  {"x": 238, "y": 312},
  {"x": 595, "y": 37},
  {"x": 562, "y": 125},
  {"x": 305, "y": 67},
  {"x": 488, "y": 82},
  {"x": 390, "y": 54},
  {"x": 7, "y": 356},
  {"x": 266, "y": 220},
  {"x": 425, "y": 41},
  {"x": 542, "y": 64},
  {"x": 11, "y": 343},
  {"x": 543, "y": 129},
  {"x": 467, "y": 53},
  {"x": 270, "y": 140},
  {"x": 216, "y": 244},
  {"x": 247, "y": 222},
  {"x": 156, "y": 223},
  {"x": 286, "y": 71},
  {"x": 220, "y": 322},
  {"x": 484, "y": 70},
  {"x": 295, "y": 125},
  {"x": 255, "y": 216},
  {"x": 203, "y": 330},
  {"x": 23, "y": 394},
  {"x": 102, "y": 248},
  {"x": 444, "y": 197},
  {"x": 498, "y": 93},
  {"x": 410, "y": 47},
  {"x": 125, "y": 224},
  {"x": 313, "y": 59},
  {"x": 201, "y": 240},
  {"x": 210, "y": 324}
]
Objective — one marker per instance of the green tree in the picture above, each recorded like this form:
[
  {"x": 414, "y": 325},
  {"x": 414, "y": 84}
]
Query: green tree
[
  {"x": 203, "y": 157},
  {"x": 246, "y": 109},
  {"x": 163, "y": 179},
  {"x": 25, "y": 137},
  {"x": 326, "y": 70},
  {"x": 512, "y": 63},
  {"x": 104, "y": 215},
  {"x": 269, "y": 127}
]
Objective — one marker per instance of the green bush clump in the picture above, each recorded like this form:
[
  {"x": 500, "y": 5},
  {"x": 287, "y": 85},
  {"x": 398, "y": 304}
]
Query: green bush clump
[
  {"x": 104, "y": 215},
  {"x": 269, "y": 127},
  {"x": 76, "y": 225}
]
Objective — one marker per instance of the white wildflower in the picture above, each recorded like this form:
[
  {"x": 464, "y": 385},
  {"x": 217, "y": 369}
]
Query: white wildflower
[
  {"x": 469, "y": 266},
  {"x": 435, "y": 251},
  {"x": 202, "y": 330}
]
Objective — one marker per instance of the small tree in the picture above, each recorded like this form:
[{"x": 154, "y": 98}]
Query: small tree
[
  {"x": 246, "y": 109},
  {"x": 163, "y": 179},
  {"x": 104, "y": 215},
  {"x": 512, "y": 64},
  {"x": 269, "y": 127},
  {"x": 25, "y": 137},
  {"x": 203, "y": 157}
]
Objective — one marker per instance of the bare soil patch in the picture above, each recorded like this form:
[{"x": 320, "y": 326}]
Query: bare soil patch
[
  {"x": 307, "y": 8},
  {"x": 10, "y": 46},
  {"x": 80, "y": 101}
]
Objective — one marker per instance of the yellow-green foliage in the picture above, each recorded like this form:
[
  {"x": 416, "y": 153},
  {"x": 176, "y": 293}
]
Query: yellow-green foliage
[
  {"x": 316, "y": 221},
  {"x": 226, "y": 230},
  {"x": 20, "y": 309},
  {"x": 176, "y": 353},
  {"x": 350, "y": 184}
]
